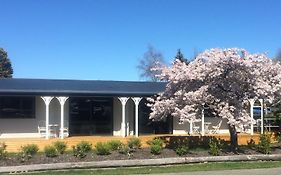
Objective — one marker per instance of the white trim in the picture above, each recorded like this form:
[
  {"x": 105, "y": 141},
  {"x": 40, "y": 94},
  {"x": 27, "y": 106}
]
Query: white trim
[
  {"x": 137, "y": 101},
  {"x": 190, "y": 127},
  {"x": 252, "y": 102},
  {"x": 203, "y": 123},
  {"x": 123, "y": 101},
  {"x": 47, "y": 100},
  {"x": 62, "y": 101},
  {"x": 20, "y": 135},
  {"x": 261, "y": 102}
]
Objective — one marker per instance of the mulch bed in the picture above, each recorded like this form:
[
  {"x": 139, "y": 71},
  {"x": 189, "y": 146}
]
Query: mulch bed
[{"x": 144, "y": 153}]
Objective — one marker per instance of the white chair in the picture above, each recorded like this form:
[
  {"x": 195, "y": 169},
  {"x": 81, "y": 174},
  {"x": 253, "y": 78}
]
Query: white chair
[
  {"x": 216, "y": 128},
  {"x": 258, "y": 125},
  {"x": 42, "y": 129},
  {"x": 65, "y": 132},
  {"x": 195, "y": 129}
]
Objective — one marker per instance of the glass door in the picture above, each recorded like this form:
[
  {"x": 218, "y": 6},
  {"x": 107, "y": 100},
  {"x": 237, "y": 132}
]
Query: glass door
[{"x": 91, "y": 116}]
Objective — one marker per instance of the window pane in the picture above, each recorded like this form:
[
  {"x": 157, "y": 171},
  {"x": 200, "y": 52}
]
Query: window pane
[{"x": 17, "y": 107}]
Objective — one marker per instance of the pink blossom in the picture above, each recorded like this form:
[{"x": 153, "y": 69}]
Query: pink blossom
[{"x": 222, "y": 79}]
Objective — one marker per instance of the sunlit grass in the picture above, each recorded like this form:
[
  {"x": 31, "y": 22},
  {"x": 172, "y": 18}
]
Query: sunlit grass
[{"x": 166, "y": 169}]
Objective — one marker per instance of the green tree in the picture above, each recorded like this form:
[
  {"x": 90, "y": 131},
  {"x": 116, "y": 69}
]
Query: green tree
[
  {"x": 6, "y": 70},
  {"x": 180, "y": 57}
]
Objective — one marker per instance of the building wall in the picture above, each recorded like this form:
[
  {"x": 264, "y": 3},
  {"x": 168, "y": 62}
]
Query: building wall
[
  {"x": 29, "y": 127},
  {"x": 117, "y": 117},
  {"x": 130, "y": 116},
  {"x": 17, "y": 128}
]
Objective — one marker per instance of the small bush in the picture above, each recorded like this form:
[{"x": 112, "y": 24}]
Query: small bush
[
  {"x": 251, "y": 144},
  {"x": 115, "y": 145},
  {"x": 81, "y": 149},
  {"x": 182, "y": 150},
  {"x": 50, "y": 151},
  {"x": 102, "y": 148},
  {"x": 124, "y": 149},
  {"x": 156, "y": 142},
  {"x": 3, "y": 152},
  {"x": 134, "y": 143},
  {"x": 27, "y": 151},
  {"x": 60, "y": 146},
  {"x": 279, "y": 139},
  {"x": 214, "y": 147},
  {"x": 155, "y": 149},
  {"x": 264, "y": 145},
  {"x": 30, "y": 149}
]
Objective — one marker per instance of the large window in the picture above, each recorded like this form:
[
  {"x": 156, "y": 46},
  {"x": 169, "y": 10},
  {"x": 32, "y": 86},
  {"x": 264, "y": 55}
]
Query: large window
[
  {"x": 147, "y": 126},
  {"x": 17, "y": 107},
  {"x": 91, "y": 116}
]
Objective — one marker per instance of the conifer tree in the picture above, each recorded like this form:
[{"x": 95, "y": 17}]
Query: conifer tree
[
  {"x": 6, "y": 70},
  {"x": 180, "y": 57}
]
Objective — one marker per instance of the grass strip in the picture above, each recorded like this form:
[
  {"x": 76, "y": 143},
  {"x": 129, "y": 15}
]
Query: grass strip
[{"x": 165, "y": 169}]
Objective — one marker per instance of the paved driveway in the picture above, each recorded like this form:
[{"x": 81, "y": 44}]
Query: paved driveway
[{"x": 267, "y": 171}]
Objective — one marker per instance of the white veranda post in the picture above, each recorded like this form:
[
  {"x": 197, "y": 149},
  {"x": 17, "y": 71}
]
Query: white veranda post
[
  {"x": 137, "y": 101},
  {"x": 190, "y": 127},
  {"x": 261, "y": 102},
  {"x": 202, "y": 123},
  {"x": 47, "y": 100},
  {"x": 123, "y": 101},
  {"x": 252, "y": 102},
  {"x": 62, "y": 101}
]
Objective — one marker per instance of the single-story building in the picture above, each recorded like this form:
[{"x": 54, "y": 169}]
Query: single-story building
[{"x": 31, "y": 108}]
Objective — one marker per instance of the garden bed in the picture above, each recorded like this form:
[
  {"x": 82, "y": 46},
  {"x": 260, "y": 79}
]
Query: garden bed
[{"x": 14, "y": 159}]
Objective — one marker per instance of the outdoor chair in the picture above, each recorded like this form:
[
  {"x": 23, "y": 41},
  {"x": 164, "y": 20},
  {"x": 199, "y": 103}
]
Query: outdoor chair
[
  {"x": 42, "y": 129},
  {"x": 65, "y": 132},
  {"x": 258, "y": 125},
  {"x": 195, "y": 129},
  {"x": 65, "y": 129},
  {"x": 216, "y": 128}
]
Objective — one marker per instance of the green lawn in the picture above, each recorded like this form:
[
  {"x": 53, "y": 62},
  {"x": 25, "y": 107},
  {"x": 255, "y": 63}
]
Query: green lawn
[{"x": 166, "y": 169}]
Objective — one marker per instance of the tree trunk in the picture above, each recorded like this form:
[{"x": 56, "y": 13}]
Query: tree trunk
[{"x": 233, "y": 139}]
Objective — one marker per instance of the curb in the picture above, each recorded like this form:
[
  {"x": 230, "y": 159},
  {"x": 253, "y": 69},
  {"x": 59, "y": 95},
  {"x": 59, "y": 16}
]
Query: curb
[{"x": 137, "y": 162}]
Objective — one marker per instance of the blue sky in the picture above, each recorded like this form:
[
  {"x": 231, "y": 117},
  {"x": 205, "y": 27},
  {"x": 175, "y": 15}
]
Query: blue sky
[{"x": 104, "y": 40}]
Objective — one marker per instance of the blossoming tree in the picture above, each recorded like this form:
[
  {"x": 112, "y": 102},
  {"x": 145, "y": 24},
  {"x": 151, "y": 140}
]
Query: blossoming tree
[{"x": 222, "y": 79}]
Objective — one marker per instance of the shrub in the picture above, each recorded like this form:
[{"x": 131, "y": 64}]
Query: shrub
[
  {"x": 156, "y": 142},
  {"x": 81, "y": 149},
  {"x": 115, "y": 145},
  {"x": 182, "y": 150},
  {"x": 155, "y": 149},
  {"x": 27, "y": 151},
  {"x": 102, "y": 148},
  {"x": 214, "y": 147},
  {"x": 60, "y": 146},
  {"x": 279, "y": 139},
  {"x": 30, "y": 149},
  {"x": 134, "y": 143},
  {"x": 124, "y": 149},
  {"x": 251, "y": 144},
  {"x": 50, "y": 151},
  {"x": 3, "y": 152},
  {"x": 264, "y": 145}
]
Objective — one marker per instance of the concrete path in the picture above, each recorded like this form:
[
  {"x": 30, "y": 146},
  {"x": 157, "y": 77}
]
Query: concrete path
[
  {"x": 266, "y": 171},
  {"x": 137, "y": 162}
]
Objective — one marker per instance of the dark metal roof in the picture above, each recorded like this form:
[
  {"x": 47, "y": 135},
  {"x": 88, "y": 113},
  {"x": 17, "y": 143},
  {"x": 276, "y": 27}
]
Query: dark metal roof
[{"x": 15, "y": 86}]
